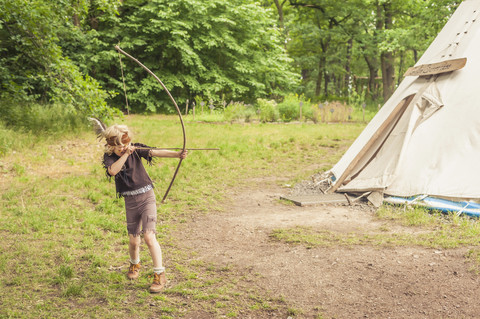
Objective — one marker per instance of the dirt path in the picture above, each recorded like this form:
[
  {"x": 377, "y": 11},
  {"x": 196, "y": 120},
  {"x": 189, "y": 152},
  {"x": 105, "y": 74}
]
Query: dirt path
[{"x": 336, "y": 282}]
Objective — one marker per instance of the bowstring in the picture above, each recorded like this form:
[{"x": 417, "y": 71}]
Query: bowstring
[
  {"x": 128, "y": 111},
  {"x": 123, "y": 80}
]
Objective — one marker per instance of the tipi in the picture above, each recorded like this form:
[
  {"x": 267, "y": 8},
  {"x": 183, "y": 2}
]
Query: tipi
[{"x": 424, "y": 143}]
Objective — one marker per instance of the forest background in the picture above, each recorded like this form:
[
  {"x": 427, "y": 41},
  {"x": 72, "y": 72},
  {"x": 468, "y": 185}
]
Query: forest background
[{"x": 58, "y": 57}]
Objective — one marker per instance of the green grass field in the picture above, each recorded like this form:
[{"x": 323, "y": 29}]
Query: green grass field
[
  {"x": 64, "y": 247},
  {"x": 64, "y": 241}
]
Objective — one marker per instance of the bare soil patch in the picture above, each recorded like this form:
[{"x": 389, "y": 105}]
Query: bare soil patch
[{"x": 333, "y": 282}]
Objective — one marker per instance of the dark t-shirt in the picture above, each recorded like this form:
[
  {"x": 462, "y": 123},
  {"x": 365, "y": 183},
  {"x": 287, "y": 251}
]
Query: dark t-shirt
[{"x": 133, "y": 175}]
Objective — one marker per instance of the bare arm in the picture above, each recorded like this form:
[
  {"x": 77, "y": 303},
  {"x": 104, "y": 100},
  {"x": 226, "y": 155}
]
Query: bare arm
[
  {"x": 117, "y": 166},
  {"x": 167, "y": 153}
]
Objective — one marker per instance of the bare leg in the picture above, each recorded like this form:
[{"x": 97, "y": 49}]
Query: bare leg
[
  {"x": 154, "y": 248},
  {"x": 134, "y": 247}
]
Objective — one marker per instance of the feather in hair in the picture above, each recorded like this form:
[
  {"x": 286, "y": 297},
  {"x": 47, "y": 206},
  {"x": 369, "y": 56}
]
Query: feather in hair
[{"x": 98, "y": 126}]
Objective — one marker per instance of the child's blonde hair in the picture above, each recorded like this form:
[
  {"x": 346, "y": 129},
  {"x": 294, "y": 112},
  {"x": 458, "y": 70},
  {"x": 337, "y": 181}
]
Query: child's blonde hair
[{"x": 116, "y": 135}]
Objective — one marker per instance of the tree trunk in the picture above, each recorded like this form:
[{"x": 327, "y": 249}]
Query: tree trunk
[
  {"x": 388, "y": 74},
  {"x": 318, "y": 87},
  {"x": 281, "y": 20},
  {"x": 347, "y": 63},
  {"x": 323, "y": 59},
  {"x": 372, "y": 75},
  {"x": 280, "y": 13},
  {"x": 387, "y": 59},
  {"x": 400, "y": 67},
  {"x": 326, "y": 79},
  {"x": 76, "y": 20}
]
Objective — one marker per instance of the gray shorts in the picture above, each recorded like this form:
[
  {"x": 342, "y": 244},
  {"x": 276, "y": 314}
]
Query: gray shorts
[{"x": 141, "y": 213}]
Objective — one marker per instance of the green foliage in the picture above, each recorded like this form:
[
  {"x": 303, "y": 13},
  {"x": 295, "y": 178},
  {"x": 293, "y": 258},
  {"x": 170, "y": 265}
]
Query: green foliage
[
  {"x": 268, "y": 110},
  {"x": 239, "y": 111},
  {"x": 215, "y": 49},
  {"x": 32, "y": 64},
  {"x": 38, "y": 118},
  {"x": 82, "y": 93},
  {"x": 311, "y": 112},
  {"x": 8, "y": 139},
  {"x": 357, "y": 100},
  {"x": 336, "y": 43},
  {"x": 61, "y": 52},
  {"x": 289, "y": 108},
  {"x": 22, "y": 125}
]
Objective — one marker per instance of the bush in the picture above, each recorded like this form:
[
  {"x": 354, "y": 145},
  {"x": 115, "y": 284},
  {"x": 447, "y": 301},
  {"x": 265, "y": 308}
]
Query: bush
[
  {"x": 289, "y": 109},
  {"x": 268, "y": 110},
  {"x": 250, "y": 113},
  {"x": 8, "y": 139},
  {"x": 356, "y": 100},
  {"x": 237, "y": 111},
  {"x": 311, "y": 112},
  {"x": 40, "y": 118}
]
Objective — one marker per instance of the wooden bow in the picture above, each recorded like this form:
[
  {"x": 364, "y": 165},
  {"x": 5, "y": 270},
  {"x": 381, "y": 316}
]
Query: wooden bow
[{"x": 176, "y": 107}]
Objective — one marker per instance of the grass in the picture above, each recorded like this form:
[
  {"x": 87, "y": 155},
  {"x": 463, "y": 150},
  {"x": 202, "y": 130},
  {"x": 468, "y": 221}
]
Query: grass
[
  {"x": 420, "y": 228},
  {"x": 64, "y": 243},
  {"x": 220, "y": 116}
]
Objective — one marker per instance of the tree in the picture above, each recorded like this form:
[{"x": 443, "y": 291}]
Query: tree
[
  {"x": 319, "y": 28},
  {"x": 279, "y": 5},
  {"x": 360, "y": 38},
  {"x": 32, "y": 64},
  {"x": 216, "y": 50}
]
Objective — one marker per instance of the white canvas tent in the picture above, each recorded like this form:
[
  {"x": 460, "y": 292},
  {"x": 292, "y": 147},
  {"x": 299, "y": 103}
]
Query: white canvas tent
[{"x": 425, "y": 140}]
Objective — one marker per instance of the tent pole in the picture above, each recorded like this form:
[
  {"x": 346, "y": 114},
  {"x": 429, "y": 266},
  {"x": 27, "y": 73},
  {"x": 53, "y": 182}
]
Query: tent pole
[{"x": 400, "y": 108}]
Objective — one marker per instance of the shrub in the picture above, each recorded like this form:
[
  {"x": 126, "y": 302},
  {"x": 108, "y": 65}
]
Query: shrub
[
  {"x": 311, "y": 112},
  {"x": 40, "y": 117},
  {"x": 236, "y": 111},
  {"x": 356, "y": 100},
  {"x": 268, "y": 110},
  {"x": 8, "y": 139},
  {"x": 250, "y": 113},
  {"x": 289, "y": 109}
]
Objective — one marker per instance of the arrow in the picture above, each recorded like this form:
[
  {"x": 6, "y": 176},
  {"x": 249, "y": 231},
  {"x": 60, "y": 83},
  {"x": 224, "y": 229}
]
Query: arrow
[{"x": 177, "y": 148}]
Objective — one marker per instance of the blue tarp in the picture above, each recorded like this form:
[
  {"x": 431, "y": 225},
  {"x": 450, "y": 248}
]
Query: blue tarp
[{"x": 444, "y": 205}]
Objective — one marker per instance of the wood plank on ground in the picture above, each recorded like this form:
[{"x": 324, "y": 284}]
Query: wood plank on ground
[{"x": 317, "y": 199}]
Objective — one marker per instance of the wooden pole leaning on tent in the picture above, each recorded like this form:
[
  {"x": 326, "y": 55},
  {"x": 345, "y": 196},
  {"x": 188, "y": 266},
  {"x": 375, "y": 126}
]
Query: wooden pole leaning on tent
[{"x": 400, "y": 108}]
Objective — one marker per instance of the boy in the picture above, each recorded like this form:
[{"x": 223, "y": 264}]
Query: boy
[{"x": 122, "y": 160}]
